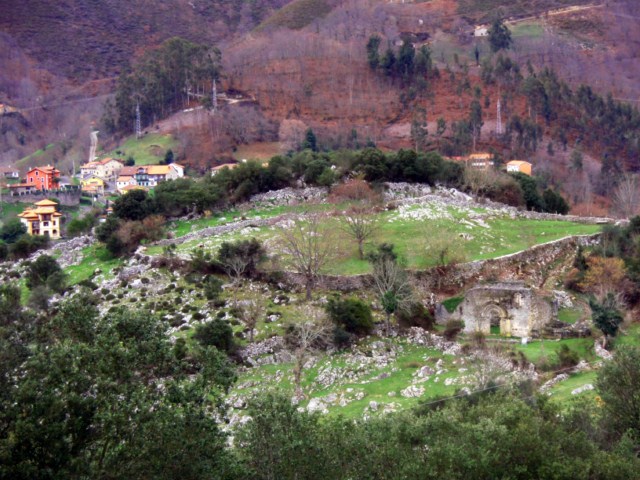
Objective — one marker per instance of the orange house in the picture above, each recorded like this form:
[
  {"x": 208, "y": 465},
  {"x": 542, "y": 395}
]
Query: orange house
[{"x": 44, "y": 178}]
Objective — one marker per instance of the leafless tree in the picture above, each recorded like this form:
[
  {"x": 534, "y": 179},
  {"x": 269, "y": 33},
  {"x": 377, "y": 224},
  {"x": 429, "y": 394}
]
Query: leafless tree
[
  {"x": 391, "y": 282},
  {"x": 308, "y": 246},
  {"x": 626, "y": 198},
  {"x": 250, "y": 314},
  {"x": 305, "y": 337},
  {"x": 291, "y": 134},
  {"x": 360, "y": 224},
  {"x": 490, "y": 366},
  {"x": 445, "y": 246},
  {"x": 235, "y": 266}
]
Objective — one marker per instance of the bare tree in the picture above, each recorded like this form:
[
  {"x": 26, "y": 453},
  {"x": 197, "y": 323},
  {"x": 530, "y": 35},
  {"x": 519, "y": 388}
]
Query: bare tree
[
  {"x": 291, "y": 134},
  {"x": 235, "y": 266},
  {"x": 360, "y": 224},
  {"x": 308, "y": 247},
  {"x": 304, "y": 338},
  {"x": 446, "y": 248},
  {"x": 490, "y": 367},
  {"x": 250, "y": 314},
  {"x": 626, "y": 198},
  {"x": 391, "y": 282}
]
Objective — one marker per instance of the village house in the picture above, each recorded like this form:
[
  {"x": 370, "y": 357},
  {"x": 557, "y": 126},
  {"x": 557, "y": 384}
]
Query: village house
[
  {"x": 42, "y": 219},
  {"x": 519, "y": 166},
  {"x": 93, "y": 185},
  {"x": 479, "y": 161},
  {"x": 160, "y": 173},
  {"x": 43, "y": 178},
  {"x": 147, "y": 176},
  {"x": 108, "y": 169},
  {"x": 9, "y": 172},
  {"x": 124, "y": 181},
  {"x": 216, "y": 170},
  {"x": 481, "y": 31}
]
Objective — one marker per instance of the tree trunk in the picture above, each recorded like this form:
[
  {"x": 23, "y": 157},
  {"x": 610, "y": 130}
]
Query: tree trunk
[
  {"x": 308, "y": 288},
  {"x": 360, "y": 249},
  {"x": 297, "y": 377}
]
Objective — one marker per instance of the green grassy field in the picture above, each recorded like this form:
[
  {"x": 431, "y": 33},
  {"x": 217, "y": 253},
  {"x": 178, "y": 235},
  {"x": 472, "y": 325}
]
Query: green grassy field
[
  {"x": 147, "y": 150},
  {"x": 416, "y": 238},
  {"x": 530, "y": 29},
  {"x": 536, "y": 350},
  {"x": 561, "y": 392},
  {"x": 95, "y": 257}
]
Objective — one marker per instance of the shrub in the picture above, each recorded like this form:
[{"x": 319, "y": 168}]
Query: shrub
[
  {"x": 452, "y": 329},
  {"x": 351, "y": 314},
  {"x": 26, "y": 245},
  {"x": 216, "y": 333},
  {"x": 89, "y": 284},
  {"x": 4, "y": 251},
  {"x": 180, "y": 349},
  {"x": 39, "y": 271},
  {"x": 416, "y": 315},
  {"x": 566, "y": 357}
]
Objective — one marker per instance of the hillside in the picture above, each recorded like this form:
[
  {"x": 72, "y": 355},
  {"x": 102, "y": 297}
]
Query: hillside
[{"x": 87, "y": 40}]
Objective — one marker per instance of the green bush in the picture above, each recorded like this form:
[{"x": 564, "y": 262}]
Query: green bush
[
  {"x": 566, "y": 357},
  {"x": 351, "y": 314},
  {"x": 216, "y": 333},
  {"x": 416, "y": 315},
  {"x": 452, "y": 329}
]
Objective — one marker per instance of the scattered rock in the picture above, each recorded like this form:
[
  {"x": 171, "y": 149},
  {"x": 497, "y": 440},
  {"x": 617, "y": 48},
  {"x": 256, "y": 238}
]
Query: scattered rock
[
  {"x": 584, "y": 388},
  {"x": 412, "y": 391}
]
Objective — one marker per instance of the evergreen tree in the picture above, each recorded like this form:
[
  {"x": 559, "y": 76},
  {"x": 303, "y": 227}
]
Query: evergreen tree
[
  {"x": 499, "y": 36},
  {"x": 310, "y": 141},
  {"x": 373, "y": 56}
]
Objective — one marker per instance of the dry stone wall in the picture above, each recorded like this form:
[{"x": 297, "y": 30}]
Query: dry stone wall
[{"x": 532, "y": 264}]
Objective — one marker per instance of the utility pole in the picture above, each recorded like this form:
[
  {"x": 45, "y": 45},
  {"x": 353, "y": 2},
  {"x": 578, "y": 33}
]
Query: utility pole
[
  {"x": 138, "y": 127},
  {"x": 499, "y": 130}
]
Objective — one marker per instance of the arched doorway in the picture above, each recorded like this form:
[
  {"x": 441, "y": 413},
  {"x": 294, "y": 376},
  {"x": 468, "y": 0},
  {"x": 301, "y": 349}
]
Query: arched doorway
[{"x": 495, "y": 320}]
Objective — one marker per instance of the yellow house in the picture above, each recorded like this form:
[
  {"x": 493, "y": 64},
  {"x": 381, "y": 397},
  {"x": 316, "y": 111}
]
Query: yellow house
[
  {"x": 42, "y": 219},
  {"x": 93, "y": 185},
  {"x": 519, "y": 166}
]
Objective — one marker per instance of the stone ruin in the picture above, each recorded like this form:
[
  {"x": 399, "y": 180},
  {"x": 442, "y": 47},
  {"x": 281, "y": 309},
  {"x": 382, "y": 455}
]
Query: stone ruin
[{"x": 517, "y": 310}]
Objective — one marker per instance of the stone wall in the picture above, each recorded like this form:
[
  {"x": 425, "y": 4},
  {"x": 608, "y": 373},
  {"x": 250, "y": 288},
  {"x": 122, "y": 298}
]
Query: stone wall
[
  {"x": 532, "y": 264},
  {"x": 66, "y": 197}
]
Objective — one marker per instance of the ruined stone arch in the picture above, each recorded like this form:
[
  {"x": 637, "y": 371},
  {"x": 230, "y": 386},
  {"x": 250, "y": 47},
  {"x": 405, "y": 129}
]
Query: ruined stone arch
[{"x": 494, "y": 314}]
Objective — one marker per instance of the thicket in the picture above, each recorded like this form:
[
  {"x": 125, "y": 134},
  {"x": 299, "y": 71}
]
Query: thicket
[
  {"x": 106, "y": 398},
  {"x": 162, "y": 81},
  {"x": 548, "y": 201},
  {"x": 486, "y": 435},
  {"x": 570, "y": 114},
  {"x": 413, "y": 67},
  {"x": 113, "y": 398},
  {"x": 16, "y": 244}
]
